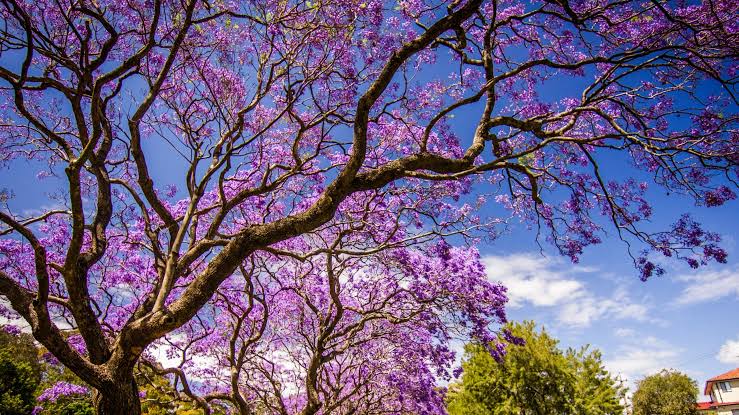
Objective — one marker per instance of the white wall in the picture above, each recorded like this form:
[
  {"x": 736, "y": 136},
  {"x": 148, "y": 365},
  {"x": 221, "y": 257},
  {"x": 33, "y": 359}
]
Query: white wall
[{"x": 720, "y": 396}]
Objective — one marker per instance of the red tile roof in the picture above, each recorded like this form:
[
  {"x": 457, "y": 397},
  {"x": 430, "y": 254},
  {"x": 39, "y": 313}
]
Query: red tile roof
[
  {"x": 732, "y": 374},
  {"x": 704, "y": 405}
]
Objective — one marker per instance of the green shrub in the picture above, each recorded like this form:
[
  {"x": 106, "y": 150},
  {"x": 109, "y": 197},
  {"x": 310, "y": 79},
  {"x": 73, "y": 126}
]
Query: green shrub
[{"x": 18, "y": 383}]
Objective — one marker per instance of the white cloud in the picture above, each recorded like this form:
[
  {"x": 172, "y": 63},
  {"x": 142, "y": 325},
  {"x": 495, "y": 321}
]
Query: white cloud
[
  {"x": 729, "y": 352},
  {"x": 531, "y": 278},
  {"x": 624, "y": 332},
  {"x": 709, "y": 285},
  {"x": 547, "y": 282},
  {"x": 582, "y": 311},
  {"x": 642, "y": 356}
]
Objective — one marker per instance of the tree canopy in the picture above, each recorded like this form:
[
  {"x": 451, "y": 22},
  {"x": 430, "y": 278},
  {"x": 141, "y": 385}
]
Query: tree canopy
[
  {"x": 18, "y": 384},
  {"x": 534, "y": 377},
  {"x": 668, "y": 392},
  {"x": 281, "y": 199}
]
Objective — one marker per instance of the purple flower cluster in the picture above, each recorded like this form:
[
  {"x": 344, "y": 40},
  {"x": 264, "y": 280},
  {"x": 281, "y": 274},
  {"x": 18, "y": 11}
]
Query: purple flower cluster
[
  {"x": 61, "y": 390},
  {"x": 11, "y": 329}
]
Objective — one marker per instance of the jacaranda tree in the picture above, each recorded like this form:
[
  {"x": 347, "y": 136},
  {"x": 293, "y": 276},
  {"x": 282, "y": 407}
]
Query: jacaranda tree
[{"x": 301, "y": 262}]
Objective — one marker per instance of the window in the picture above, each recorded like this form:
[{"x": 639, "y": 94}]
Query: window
[{"x": 725, "y": 386}]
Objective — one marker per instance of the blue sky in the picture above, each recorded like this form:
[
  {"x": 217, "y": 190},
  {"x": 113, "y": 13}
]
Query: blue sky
[{"x": 685, "y": 320}]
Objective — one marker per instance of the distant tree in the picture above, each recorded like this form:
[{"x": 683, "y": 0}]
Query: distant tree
[
  {"x": 534, "y": 377},
  {"x": 18, "y": 382},
  {"x": 666, "y": 393},
  {"x": 21, "y": 346}
]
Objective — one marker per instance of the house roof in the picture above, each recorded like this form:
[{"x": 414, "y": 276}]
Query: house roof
[
  {"x": 732, "y": 374},
  {"x": 704, "y": 405}
]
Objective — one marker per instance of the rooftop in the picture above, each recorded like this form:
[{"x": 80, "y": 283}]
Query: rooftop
[{"x": 732, "y": 374}]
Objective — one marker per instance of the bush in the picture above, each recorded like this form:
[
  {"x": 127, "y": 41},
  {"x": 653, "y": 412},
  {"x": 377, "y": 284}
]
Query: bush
[{"x": 18, "y": 383}]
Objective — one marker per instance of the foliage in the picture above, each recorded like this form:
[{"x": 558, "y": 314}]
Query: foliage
[
  {"x": 666, "y": 393},
  {"x": 61, "y": 397},
  {"x": 18, "y": 383},
  {"x": 534, "y": 377},
  {"x": 22, "y": 347},
  {"x": 159, "y": 397},
  {"x": 267, "y": 191},
  {"x": 57, "y": 390},
  {"x": 70, "y": 406}
]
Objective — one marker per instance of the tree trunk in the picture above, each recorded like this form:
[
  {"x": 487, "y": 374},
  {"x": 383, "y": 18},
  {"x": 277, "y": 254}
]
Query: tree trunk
[{"x": 120, "y": 399}]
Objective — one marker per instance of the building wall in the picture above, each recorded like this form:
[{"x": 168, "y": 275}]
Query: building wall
[
  {"x": 720, "y": 396},
  {"x": 729, "y": 410}
]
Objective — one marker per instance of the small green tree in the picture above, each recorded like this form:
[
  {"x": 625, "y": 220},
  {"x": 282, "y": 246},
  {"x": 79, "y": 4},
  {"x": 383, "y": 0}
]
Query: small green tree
[
  {"x": 534, "y": 378},
  {"x": 666, "y": 393},
  {"x": 18, "y": 384},
  {"x": 22, "y": 347}
]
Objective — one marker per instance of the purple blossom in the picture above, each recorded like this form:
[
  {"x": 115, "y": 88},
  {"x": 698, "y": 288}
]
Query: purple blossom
[
  {"x": 11, "y": 329},
  {"x": 719, "y": 196},
  {"x": 60, "y": 390}
]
